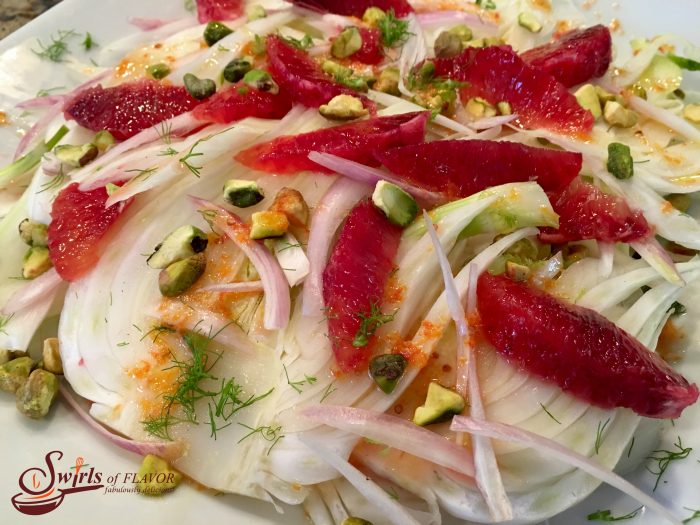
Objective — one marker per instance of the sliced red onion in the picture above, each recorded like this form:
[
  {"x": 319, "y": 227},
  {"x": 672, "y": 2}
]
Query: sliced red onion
[
  {"x": 396, "y": 433},
  {"x": 553, "y": 449},
  {"x": 52, "y": 112},
  {"x": 361, "y": 173},
  {"x": 33, "y": 292},
  {"x": 329, "y": 213},
  {"x": 488, "y": 477},
  {"x": 277, "y": 301},
  {"x": 654, "y": 254},
  {"x": 170, "y": 450},
  {"x": 147, "y": 24},
  {"x": 41, "y": 102},
  {"x": 395, "y": 512},
  {"x": 240, "y": 287},
  {"x": 40, "y": 125}
]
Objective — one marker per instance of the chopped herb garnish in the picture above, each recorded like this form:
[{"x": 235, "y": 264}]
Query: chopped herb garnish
[
  {"x": 694, "y": 516},
  {"x": 296, "y": 385},
  {"x": 394, "y": 31},
  {"x": 186, "y": 160},
  {"x": 629, "y": 450},
  {"x": 303, "y": 44},
  {"x": 288, "y": 245},
  {"x": 685, "y": 63},
  {"x": 392, "y": 493},
  {"x": 549, "y": 413},
  {"x": 123, "y": 343},
  {"x": 167, "y": 152},
  {"x": 599, "y": 434},
  {"x": 88, "y": 42},
  {"x": 606, "y": 515},
  {"x": 370, "y": 323},
  {"x": 664, "y": 458},
  {"x": 57, "y": 48},
  {"x": 328, "y": 391},
  {"x": 143, "y": 173},
  {"x": 268, "y": 433},
  {"x": 55, "y": 182},
  {"x": 4, "y": 320},
  {"x": 157, "y": 330},
  {"x": 46, "y": 92}
]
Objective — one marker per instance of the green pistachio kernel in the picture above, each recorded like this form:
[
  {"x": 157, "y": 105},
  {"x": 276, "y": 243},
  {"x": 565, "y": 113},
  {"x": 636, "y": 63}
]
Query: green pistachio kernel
[
  {"x": 179, "y": 244},
  {"x": 104, "y": 140},
  {"x": 691, "y": 112},
  {"x": 386, "y": 370},
  {"x": 36, "y": 395},
  {"x": 616, "y": 114},
  {"x": 243, "y": 193},
  {"x": 76, "y": 156},
  {"x": 177, "y": 278},
  {"x": 529, "y": 22},
  {"x": 504, "y": 108},
  {"x": 15, "y": 372},
  {"x": 620, "y": 162},
  {"x": 448, "y": 45},
  {"x": 261, "y": 80},
  {"x": 267, "y": 224},
  {"x": 215, "y": 31},
  {"x": 477, "y": 107},
  {"x": 33, "y": 233},
  {"x": 343, "y": 107},
  {"x": 36, "y": 261},
  {"x": 199, "y": 88},
  {"x": 587, "y": 97},
  {"x": 255, "y": 12},
  {"x": 399, "y": 207},
  {"x": 158, "y": 71},
  {"x": 373, "y": 15},
  {"x": 349, "y": 41},
  {"x": 388, "y": 81},
  {"x": 156, "y": 477},
  {"x": 354, "y": 520},
  {"x": 463, "y": 32},
  {"x": 440, "y": 404},
  {"x": 237, "y": 68}
]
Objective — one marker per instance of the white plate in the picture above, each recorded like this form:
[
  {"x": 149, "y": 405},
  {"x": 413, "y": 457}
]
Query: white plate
[{"x": 25, "y": 442}]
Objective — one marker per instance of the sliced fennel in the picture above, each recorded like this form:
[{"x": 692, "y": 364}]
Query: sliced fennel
[{"x": 12, "y": 174}]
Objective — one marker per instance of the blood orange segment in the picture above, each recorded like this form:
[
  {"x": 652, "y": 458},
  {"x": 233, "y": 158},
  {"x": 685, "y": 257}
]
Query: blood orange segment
[
  {"x": 79, "y": 221},
  {"x": 576, "y": 57},
  {"x": 459, "y": 168},
  {"x": 355, "y": 7},
  {"x": 585, "y": 212},
  {"x": 300, "y": 76},
  {"x": 579, "y": 350},
  {"x": 354, "y": 280},
  {"x": 355, "y": 141},
  {"x": 128, "y": 108},
  {"x": 498, "y": 74},
  {"x": 208, "y": 10},
  {"x": 241, "y": 102}
]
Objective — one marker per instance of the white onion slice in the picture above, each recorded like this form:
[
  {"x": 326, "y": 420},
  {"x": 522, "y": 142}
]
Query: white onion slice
[
  {"x": 169, "y": 450},
  {"x": 395, "y": 512},
  {"x": 553, "y": 449},
  {"x": 239, "y": 287},
  {"x": 396, "y": 433},
  {"x": 41, "y": 102},
  {"x": 147, "y": 24},
  {"x": 36, "y": 290},
  {"x": 329, "y": 213},
  {"x": 676, "y": 123},
  {"x": 491, "y": 122},
  {"x": 361, "y": 173},
  {"x": 488, "y": 477},
  {"x": 277, "y": 301}
]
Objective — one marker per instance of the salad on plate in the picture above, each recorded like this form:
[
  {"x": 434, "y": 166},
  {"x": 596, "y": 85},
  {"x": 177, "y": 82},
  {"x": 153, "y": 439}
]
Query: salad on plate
[{"x": 387, "y": 260}]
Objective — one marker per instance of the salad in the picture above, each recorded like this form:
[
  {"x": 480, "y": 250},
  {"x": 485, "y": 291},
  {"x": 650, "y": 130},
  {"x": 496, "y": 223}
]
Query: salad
[{"x": 389, "y": 261}]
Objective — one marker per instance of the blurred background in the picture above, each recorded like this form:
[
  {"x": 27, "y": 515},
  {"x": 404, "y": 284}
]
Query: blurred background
[{"x": 15, "y": 13}]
